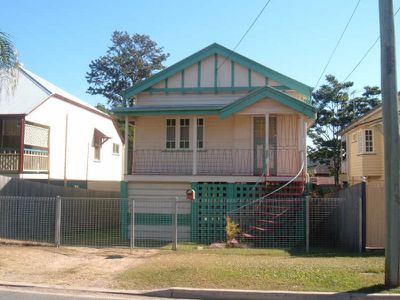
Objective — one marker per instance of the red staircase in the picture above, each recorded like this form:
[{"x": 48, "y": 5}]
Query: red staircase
[{"x": 274, "y": 214}]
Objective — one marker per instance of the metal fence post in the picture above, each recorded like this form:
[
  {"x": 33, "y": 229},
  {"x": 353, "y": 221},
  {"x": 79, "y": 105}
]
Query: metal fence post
[
  {"x": 57, "y": 232},
  {"x": 307, "y": 224},
  {"x": 175, "y": 224},
  {"x": 132, "y": 235}
]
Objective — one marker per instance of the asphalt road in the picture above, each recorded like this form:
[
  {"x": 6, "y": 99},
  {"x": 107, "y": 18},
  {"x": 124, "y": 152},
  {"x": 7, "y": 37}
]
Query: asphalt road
[{"x": 33, "y": 294}]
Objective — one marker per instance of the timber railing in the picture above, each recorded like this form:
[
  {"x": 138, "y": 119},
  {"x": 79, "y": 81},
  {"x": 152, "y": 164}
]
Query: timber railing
[
  {"x": 225, "y": 162},
  {"x": 34, "y": 161},
  {"x": 9, "y": 161}
]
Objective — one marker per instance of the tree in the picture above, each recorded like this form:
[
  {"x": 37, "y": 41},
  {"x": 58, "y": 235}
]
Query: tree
[
  {"x": 128, "y": 60},
  {"x": 9, "y": 62},
  {"x": 336, "y": 109}
]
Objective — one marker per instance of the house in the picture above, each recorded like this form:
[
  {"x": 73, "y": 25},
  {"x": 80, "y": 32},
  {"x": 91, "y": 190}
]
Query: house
[
  {"x": 219, "y": 123},
  {"x": 363, "y": 159},
  {"x": 49, "y": 135},
  {"x": 363, "y": 151},
  {"x": 320, "y": 174}
]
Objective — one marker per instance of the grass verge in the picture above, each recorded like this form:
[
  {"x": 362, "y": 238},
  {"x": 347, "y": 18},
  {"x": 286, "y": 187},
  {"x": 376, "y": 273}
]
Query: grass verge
[{"x": 259, "y": 269}]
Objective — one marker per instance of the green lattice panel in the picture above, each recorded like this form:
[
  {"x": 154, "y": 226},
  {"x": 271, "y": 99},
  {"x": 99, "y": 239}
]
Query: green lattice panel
[{"x": 213, "y": 203}]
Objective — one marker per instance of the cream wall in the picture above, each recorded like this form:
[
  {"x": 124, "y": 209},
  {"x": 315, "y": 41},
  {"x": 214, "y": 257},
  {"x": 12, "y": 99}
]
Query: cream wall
[
  {"x": 235, "y": 132},
  {"x": 218, "y": 134},
  {"x": 80, "y": 153},
  {"x": 370, "y": 165}
]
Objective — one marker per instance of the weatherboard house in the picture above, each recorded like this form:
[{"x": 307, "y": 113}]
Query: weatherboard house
[
  {"x": 49, "y": 135},
  {"x": 216, "y": 122}
]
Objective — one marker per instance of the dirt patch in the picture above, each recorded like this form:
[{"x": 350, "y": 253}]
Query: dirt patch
[{"x": 68, "y": 266}]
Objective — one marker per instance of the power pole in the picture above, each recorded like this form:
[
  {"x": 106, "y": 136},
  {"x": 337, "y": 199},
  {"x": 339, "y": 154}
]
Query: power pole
[{"x": 391, "y": 142}]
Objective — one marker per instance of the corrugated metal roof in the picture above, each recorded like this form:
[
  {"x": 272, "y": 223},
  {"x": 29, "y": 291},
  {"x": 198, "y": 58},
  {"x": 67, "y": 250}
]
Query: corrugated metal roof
[{"x": 32, "y": 90}]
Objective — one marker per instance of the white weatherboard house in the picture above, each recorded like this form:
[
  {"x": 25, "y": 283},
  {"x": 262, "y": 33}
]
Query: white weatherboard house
[
  {"x": 216, "y": 122},
  {"x": 49, "y": 135}
]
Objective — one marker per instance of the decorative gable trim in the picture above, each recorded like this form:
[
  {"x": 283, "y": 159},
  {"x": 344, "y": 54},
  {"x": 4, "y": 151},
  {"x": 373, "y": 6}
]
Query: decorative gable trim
[
  {"x": 224, "y": 111},
  {"x": 214, "y": 49},
  {"x": 269, "y": 92}
]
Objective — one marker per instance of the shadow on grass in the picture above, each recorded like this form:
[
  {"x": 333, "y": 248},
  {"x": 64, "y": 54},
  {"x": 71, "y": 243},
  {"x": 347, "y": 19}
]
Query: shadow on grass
[
  {"x": 375, "y": 289},
  {"x": 333, "y": 252}
]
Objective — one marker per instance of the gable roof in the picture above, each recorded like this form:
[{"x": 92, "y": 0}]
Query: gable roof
[
  {"x": 218, "y": 49},
  {"x": 29, "y": 100},
  {"x": 358, "y": 122},
  {"x": 223, "y": 111},
  {"x": 272, "y": 93}
]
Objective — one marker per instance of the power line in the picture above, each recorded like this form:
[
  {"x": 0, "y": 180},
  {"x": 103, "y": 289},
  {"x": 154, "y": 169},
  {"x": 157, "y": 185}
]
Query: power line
[
  {"x": 246, "y": 32},
  {"x": 251, "y": 26},
  {"x": 367, "y": 52},
  {"x": 337, "y": 44}
]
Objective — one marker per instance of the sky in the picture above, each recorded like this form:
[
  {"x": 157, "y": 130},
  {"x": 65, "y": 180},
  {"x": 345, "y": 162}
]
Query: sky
[{"x": 58, "y": 39}]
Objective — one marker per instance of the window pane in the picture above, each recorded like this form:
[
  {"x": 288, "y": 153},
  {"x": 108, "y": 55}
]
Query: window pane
[
  {"x": 116, "y": 148},
  {"x": 171, "y": 134},
  {"x": 200, "y": 127},
  {"x": 368, "y": 141},
  {"x": 184, "y": 134},
  {"x": 97, "y": 152}
]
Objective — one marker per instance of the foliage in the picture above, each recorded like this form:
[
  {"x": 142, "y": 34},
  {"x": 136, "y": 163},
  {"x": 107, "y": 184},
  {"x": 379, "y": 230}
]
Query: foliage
[
  {"x": 231, "y": 229},
  {"x": 336, "y": 109},
  {"x": 9, "y": 62},
  {"x": 130, "y": 59}
]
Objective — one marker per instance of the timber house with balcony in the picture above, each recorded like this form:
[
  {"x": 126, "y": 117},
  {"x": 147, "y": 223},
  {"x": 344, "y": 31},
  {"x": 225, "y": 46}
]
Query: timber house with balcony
[
  {"x": 49, "y": 135},
  {"x": 215, "y": 118}
]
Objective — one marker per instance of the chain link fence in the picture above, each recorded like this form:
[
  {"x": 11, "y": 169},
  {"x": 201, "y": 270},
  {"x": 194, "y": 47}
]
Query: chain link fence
[{"x": 165, "y": 222}]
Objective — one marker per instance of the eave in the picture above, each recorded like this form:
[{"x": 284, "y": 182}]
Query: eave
[{"x": 220, "y": 110}]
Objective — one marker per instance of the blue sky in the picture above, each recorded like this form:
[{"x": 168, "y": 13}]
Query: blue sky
[{"x": 58, "y": 39}]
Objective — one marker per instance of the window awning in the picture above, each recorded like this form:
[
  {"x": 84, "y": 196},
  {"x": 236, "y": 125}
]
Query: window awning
[{"x": 99, "y": 138}]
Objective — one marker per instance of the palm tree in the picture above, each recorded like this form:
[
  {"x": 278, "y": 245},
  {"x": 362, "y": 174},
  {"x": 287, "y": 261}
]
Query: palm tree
[{"x": 9, "y": 62}]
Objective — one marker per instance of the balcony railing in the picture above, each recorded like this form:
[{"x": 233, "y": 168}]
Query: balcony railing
[
  {"x": 226, "y": 162},
  {"x": 9, "y": 161},
  {"x": 34, "y": 161}
]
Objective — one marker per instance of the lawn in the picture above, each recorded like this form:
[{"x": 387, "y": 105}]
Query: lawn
[{"x": 257, "y": 269}]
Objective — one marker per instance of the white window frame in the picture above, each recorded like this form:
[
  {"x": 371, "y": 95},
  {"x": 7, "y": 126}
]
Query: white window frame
[
  {"x": 362, "y": 144},
  {"x": 203, "y": 126},
  {"x": 115, "y": 147},
  {"x": 166, "y": 134},
  {"x": 177, "y": 134},
  {"x": 97, "y": 148},
  {"x": 188, "y": 132}
]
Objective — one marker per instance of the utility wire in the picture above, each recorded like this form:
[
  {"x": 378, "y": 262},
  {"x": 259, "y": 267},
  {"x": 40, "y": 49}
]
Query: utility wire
[
  {"x": 337, "y": 44},
  {"x": 246, "y": 32},
  {"x": 367, "y": 52}
]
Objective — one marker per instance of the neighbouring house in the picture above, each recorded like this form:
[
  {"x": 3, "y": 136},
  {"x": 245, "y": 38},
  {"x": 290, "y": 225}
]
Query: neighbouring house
[
  {"x": 48, "y": 135},
  {"x": 362, "y": 149},
  {"x": 320, "y": 175},
  {"x": 363, "y": 159},
  {"x": 219, "y": 123}
]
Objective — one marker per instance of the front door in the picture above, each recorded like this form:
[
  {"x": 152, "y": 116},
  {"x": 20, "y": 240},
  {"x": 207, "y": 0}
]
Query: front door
[
  {"x": 259, "y": 145},
  {"x": 273, "y": 141}
]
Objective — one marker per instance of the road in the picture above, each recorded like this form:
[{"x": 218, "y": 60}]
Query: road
[{"x": 7, "y": 293}]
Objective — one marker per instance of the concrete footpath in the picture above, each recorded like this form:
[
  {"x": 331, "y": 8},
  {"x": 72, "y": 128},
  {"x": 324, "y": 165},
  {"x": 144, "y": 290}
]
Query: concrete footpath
[{"x": 192, "y": 293}]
